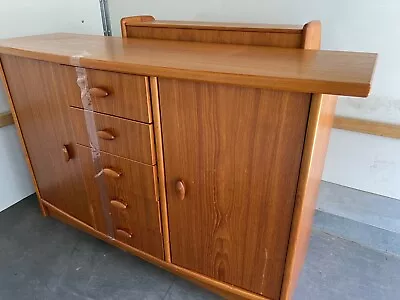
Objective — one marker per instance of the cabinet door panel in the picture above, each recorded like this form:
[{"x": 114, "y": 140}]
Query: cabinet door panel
[
  {"x": 40, "y": 91},
  {"x": 237, "y": 151}
]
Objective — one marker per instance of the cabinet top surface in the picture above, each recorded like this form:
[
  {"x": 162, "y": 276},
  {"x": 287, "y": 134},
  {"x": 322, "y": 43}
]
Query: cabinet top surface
[{"x": 310, "y": 71}]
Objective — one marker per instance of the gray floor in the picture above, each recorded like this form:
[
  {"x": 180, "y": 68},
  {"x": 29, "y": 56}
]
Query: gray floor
[
  {"x": 41, "y": 258},
  {"x": 367, "y": 219},
  {"x": 363, "y": 207}
]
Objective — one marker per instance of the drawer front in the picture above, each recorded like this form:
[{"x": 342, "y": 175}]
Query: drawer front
[
  {"x": 118, "y": 94},
  {"x": 131, "y": 200},
  {"x": 117, "y": 136}
]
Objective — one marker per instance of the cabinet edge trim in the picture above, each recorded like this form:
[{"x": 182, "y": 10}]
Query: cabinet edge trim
[
  {"x": 319, "y": 126},
  {"x": 160, "y": 165}
]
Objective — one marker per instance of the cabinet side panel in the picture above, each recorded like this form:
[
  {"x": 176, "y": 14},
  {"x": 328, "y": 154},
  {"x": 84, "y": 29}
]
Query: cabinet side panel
[
  {"x": 317, "y": 139},
  {"x": 39, "y": 91},
  {"x": 234, "y": 154},
  {"x": 21, "y": 138}
]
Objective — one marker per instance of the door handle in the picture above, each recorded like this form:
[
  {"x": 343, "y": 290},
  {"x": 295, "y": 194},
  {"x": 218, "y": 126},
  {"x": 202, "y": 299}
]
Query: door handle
[
  {"x": 124, "y": 233},
  {"x": 105, "y": 134},
  {"x": 112, "y": 173},
  {"x": 180, "y": 189},
  {"x": 118, "y": 204},
  {"x": 98, "y": 92},
  {"x": 66, "y": 155}
]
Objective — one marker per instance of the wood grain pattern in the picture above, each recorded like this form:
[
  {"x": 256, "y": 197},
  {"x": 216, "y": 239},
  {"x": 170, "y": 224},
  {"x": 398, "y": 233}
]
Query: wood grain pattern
[
  {"x": 329, "y": 72},
  {"x": 127, "y": 95},
  {"x": 125, "y": 22},
  {"x": 135, "y": 187},
  {"x": 133, "y": 140},
  {"x": 317, "y": 139},
  {"x": 21, "y": 137},
  {"x": 258, "y": 38},
  {"x": 43, "y": 116},
  {"x": 160, "y": 166},
  {"x": 273, "y": 35},
  {"x": 6, "y": 119},
  {"x": 367, "y": 126},
  {"x": 312, "y": 35},
  {"x": 225, "y": 290},
  {"x": 237, "y": 158}
]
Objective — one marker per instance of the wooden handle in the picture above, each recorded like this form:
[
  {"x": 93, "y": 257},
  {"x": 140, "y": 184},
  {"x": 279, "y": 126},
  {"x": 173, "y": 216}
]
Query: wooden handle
[
  {"x": 98, "y": 92},
  {"x": 123, "y": 233},
  {"x": 112, "y": 173},
  {"x": 180, "y": 189},
  {"x": 118, "y": 204},
  {"x": 105, "y": 135},
  {"x": 65, "y": 153}
]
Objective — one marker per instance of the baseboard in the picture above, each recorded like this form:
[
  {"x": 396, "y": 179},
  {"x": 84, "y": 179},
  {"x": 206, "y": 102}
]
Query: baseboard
[
  {"x": 364, "y": 234},
  {"x": 360, "y": 206}
]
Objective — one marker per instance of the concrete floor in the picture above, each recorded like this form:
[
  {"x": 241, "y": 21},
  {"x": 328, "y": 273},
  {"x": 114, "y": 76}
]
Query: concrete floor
[
  {"x": 367, "y": 219},
  {"x": 41, "y": 258}
]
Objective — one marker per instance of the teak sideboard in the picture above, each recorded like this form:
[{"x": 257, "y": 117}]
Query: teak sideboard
[{"x": 198, "y": 147}]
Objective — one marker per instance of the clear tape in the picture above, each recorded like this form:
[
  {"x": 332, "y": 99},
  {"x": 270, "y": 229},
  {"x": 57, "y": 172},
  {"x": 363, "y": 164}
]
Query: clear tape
[
  {"x": 82, "y": 81},
  {"x": 75, "y": 60}
]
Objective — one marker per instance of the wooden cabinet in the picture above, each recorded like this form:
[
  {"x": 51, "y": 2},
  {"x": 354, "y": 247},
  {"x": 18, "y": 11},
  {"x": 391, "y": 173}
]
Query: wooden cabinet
[
  {"x": 40, "y": 97},
  {"x": 239, "y": 162},
  {"x": 198, "y": 147}
]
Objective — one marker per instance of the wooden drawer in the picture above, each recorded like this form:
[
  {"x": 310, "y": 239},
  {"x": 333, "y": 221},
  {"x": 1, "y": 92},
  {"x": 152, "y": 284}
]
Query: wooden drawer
[
  {"x": 131, "y": 200},
  {"x": 127, "y": 95},
  {"x": 117, "y": 136}
]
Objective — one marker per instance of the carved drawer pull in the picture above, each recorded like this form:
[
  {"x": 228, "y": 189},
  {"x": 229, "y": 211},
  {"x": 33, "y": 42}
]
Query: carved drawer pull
[
  {"x": 105, "y": 135},
  {"x": 98, "y": 92},
  {"x": 180, "y": 189},
  {"x": 112, "y": 173},
  {"x": 118, "y": 204},
  {"x": 65, "y": 153},
  {"x": 123, "y": 233}
]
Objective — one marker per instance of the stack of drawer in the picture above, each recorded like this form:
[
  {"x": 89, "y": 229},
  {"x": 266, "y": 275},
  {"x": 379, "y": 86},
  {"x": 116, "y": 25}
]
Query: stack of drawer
[{"x": 127, "y": 197}]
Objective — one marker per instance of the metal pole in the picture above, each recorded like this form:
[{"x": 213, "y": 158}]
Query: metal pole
[{"x": 105, "y": 17}]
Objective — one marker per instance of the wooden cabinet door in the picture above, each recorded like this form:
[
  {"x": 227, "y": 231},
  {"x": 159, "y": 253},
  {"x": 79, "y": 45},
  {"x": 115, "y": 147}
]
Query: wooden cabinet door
[
  {"x": 232, "y": 159},
  {"x": 39, "y": 93}
]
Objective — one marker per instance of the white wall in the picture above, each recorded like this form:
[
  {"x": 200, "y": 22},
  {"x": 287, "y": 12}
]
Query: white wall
[
  {"x": 360, "y": 161},
  {"x": 28, "y": 17}
]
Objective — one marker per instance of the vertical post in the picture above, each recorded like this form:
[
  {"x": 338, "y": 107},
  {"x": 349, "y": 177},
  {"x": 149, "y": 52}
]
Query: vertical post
[{"x": 105, "y": 18}]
